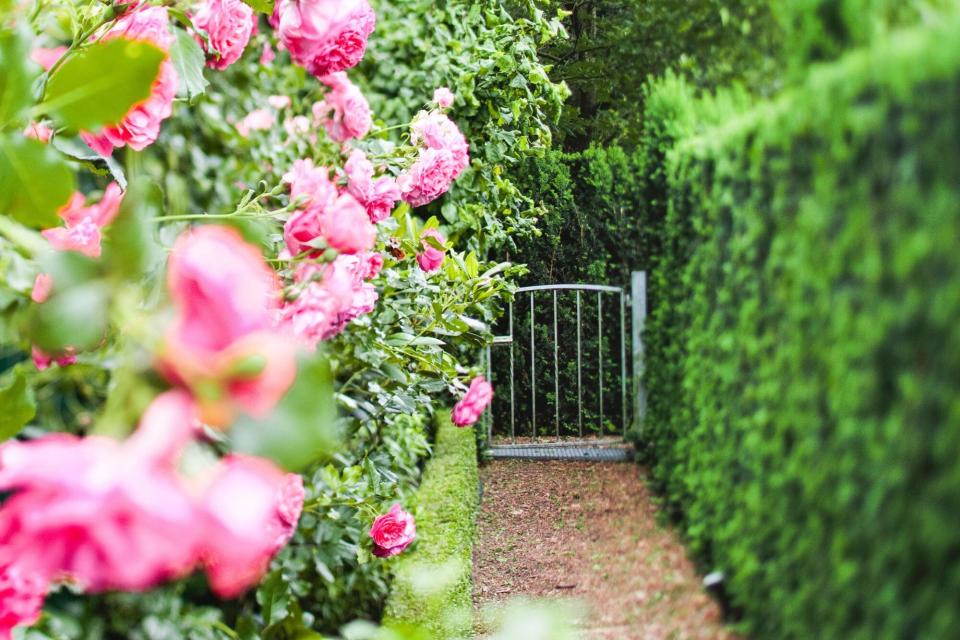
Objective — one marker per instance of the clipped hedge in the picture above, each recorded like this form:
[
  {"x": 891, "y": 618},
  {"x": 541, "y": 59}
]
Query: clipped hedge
[
  {"x": 803, "y": 345},
  {"x": 432, "y": 585}
]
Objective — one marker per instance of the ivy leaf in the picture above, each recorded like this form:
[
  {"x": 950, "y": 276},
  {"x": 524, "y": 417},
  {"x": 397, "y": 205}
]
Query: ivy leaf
[
  {"x": 17, "y": 77},
  {"x": 262, "y": 6},
  {"x": 188, "y": 58},
  {"x": 98, "y": 85},
  {"x": 19, "y": 406},
  {"x": 35, "y": 181}
]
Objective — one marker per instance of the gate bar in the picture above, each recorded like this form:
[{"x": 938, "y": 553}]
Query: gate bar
[
  {"x": 600, "y": 356},
  {"x": 533, "y": 376},
  {"x": 582, "y": 287},
  {"x": 556, "y": 367},
  {"x": 579, "y": 395},
  {"x": 623, "y": 363},
  {"x": 513, "y": 435}
]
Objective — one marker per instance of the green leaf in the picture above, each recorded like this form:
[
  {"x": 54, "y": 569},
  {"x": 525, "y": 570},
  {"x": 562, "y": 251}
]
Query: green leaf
[
  {"x": 263, "y": 6},
  {"x": 77, "y": 149},
  {"x": 100, "y": 84},
  {"x": 17, "y": 406},
  {"x": 273, "y": 598},
  {"x": 188, "y": 59},
  {"x": 131, "y": 247},
  {"x": 17, "y": 77},
  {"x": 35, "y": 181},
  {"x": 302, "y": 428}
]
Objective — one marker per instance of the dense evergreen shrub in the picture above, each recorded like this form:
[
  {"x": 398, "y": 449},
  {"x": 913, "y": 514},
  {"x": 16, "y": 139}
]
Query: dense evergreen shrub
[{"x": 803, "y": 353}]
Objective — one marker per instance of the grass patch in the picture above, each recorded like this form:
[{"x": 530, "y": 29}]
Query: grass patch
[{"x": 432, "y": 583}]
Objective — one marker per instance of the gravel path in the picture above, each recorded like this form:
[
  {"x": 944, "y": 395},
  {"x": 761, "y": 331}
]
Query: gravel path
[{"x": 588, "y": 531}]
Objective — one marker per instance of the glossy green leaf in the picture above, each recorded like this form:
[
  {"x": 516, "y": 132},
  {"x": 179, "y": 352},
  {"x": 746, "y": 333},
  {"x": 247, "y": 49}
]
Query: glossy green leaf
[
  {"x": 262, "y": 6},
  {"x": 35, "y": 181},
  {"x": 98, "y": 85},
  {"x": 302, "y": 428},
  {"x": 18, "y": 74},
  {"x": 17, "y": 406},
  {"x": 188, "y": 58}
]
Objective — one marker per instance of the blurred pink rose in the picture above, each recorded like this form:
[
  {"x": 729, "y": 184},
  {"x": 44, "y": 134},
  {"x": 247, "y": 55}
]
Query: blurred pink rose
[
  {"x": 256, "y": 120},
  {"x": 297, "y": 126},
  {"x": 21, "y": 599},
  {"x": 443, "y": 97},
  {"x": 346, "y": 226},
  {"x": 38, "y": 131},
  {"x": 324, "y": 36},
  {"x": 83, "y": 223},
  {"x": 46, "y": 58},
  {"x": 229, "y": 24},
  {"x": 221, "y": 344},
  {"x": 94, "y": 510},
  {"x": 279, "y": 102},
  {"x": 392, "y": 532},
  {"x": 350, "y": 116},
  {"x": 478, "y": 396},
  {"x": 373, "y": 262},
  {"x": 42, "y": 285},
  {"x": 141, "y": 126},
  {"x": 431, "y": 258},
  {"x": 311, "y": 184},
  {"x": 251, "y": 509},
  {"x": 377, "y": 196},
  {"x": 267, "y": 55}
]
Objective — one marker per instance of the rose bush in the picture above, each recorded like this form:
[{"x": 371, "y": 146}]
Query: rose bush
[{"x": 249, "y": 290}]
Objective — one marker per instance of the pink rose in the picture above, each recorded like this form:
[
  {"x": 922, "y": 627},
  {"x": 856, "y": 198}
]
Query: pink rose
[
  {"x": 377, "y": 196},
  {"x": 324, "y": 36},
  {"x": 297, "y": 126},
  {"x": 346, "y": 226},
  {"x": 435, "y": 130},
  {"x": 97, "y": 510},
  {"x": 279, "y": 102},
  {"x": 251, "y": 509},
  {"x": 229, "y": 25},
  {"x": 372, "y": 265},
  {"x": 312, "y": 184},
  {"x": 21, "y": 599},
  {"x": 256, "y": 120},
  {"x": 392, "y": 532},
  {"x": 42, "y": 360},
  {"x": 46, "y": 58},
  {"x": 443, "y": 97},
  {"x": 221, "y": 344},
  {"x": 303, "y": 227},
  {"x": 38, "y": 131},
  {"x": 141, "y": 126},
  {"x": 83, "y": 223},
  {"x": 477, "y": 398},
  {"x": 428, "y": 178},
  {"x": 42, "y": 286},
  {"x": 267, "y": 55},
  {"x": 431, "y": 258},
  {"x": 350, "y": 111}
]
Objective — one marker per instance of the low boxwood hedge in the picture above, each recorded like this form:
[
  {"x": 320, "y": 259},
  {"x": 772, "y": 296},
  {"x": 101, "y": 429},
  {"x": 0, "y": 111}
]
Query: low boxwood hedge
[{"x": 432, "y": 583}]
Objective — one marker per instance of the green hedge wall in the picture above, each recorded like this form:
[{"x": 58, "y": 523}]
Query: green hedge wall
[
  {"x": 432, "y": 588},
  {"x": 803, "y": 363}
]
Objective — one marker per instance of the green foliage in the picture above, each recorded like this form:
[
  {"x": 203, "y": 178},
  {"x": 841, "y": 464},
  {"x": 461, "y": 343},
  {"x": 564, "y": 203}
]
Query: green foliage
[
  {"x": 613, "y": 46},
  {"x": 80, "y": 96},
  {"x": 432, "y": 589},
  {"x": 19, "y": 72},
  {"x": 505, "y": 101},
  {"x": 802, "y": 347},
  {"x": 19, "y": 405},
  {"x": 35, "y": 181},
  {"x": 188, "y": 59}
]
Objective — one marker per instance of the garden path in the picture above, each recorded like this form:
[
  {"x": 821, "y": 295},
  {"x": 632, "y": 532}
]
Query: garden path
[{"x": 588, "y": 531}]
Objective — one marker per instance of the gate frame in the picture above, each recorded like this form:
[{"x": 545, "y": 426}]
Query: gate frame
[{"x": 638, "y": 303}]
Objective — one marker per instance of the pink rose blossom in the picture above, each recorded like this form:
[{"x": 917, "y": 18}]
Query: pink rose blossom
[
  {"x": 324, "y": 36},
  {"x": 267, "y": 55},
  {"x": 226, "y": 298},
  {"x": 98, "y": 511},
  {"x": 46, "y": 58},
  {"x": 311, "y": 184},
  {"x": 443, "y": 97},
  {"x": 350, "y": 116},
  {"x": 346, "y": 226},
  {"x": 83, "y": 223},
  {"x": 373, "y": 263},
  {"x": 229, "y": 25},
  {"x": 431, "y": 258},
  {"x": 444, "y": 154},
  {"x": 42, "y": 360},
  {"x": 42, "y": 286},
  {"x": 38, "y": 131},
  {"x": 141, "y": 126},
  {"x": 377, "y": 196},
  {"x": 251, "y": 509},
  {"x": 478, "y": 396},
  {"x": 256, "y": 120},
  {"x": 21, "y": 599},
  {"x": 392, "y": 532},
  {"x": 279, "y": 102},
  {"x": 297, "y": 126}
]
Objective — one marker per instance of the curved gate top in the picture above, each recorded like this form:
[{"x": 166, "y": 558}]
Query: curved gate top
[{"x": 549, "y": 317}]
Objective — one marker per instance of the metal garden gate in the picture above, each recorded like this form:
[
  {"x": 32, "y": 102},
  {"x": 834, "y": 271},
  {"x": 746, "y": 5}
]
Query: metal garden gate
[{"x": 534, "y": 298}]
